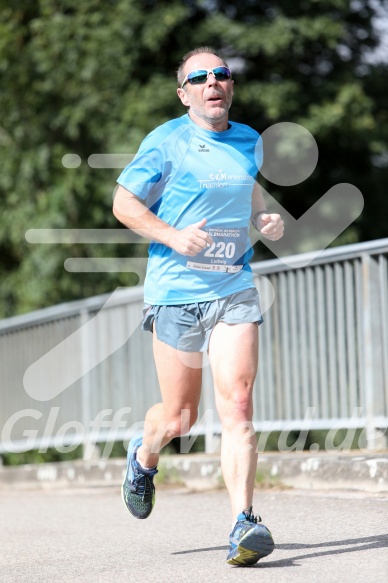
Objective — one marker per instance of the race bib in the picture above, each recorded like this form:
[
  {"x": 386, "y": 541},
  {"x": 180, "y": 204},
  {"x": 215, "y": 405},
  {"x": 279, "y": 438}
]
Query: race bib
[{"x": 226, "y": 253}]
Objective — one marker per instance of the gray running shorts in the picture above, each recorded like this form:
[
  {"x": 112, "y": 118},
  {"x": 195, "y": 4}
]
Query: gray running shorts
[{"x": 188, "y": 327}]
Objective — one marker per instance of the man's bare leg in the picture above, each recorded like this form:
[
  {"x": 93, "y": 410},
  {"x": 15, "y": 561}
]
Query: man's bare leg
[
  {"x": 233, "y": 353},
  {"x": 180, "y": 377}
]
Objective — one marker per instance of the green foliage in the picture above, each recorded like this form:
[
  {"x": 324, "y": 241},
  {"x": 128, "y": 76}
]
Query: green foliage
[
  {"x": 34, "y": 457},
  {"x": 168, "y": 476},
  {"x": 264, "y": 480},
  {"x": 340, "y": 440},
  {"x": 313, "y": 440},
  {"x": 95, "y": 77}
]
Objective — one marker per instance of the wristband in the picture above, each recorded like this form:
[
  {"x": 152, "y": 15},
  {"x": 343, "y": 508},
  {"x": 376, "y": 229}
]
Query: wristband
[{"x": 256, "y": 215}]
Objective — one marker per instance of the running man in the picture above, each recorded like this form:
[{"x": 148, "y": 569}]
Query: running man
[{"x": 192, "y": 190}]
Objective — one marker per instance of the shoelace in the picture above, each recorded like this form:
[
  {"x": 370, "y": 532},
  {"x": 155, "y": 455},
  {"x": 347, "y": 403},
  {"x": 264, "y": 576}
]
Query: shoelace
[
  {"x": 248, "y": 513},
  {"x": 143, "y": 483}
]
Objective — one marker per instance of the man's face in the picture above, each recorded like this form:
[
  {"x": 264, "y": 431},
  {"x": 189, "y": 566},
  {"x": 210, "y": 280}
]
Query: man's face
[{"x": 209, "y": 102}]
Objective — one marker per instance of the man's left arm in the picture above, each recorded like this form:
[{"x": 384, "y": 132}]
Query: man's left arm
[{"x": 270, "y": 225}]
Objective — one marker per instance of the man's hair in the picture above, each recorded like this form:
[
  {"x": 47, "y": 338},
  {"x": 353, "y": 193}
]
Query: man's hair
[{"x": 179, "y": 74}]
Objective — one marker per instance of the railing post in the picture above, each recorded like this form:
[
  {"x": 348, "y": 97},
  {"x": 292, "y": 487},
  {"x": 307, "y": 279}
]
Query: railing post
[
  {"x": 372, "y": 365},
  {"x": 89, "y": 450}
]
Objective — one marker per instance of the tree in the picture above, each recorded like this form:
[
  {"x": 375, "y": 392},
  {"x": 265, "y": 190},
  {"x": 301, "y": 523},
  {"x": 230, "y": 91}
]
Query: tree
[{"x": 95, "y": 77}]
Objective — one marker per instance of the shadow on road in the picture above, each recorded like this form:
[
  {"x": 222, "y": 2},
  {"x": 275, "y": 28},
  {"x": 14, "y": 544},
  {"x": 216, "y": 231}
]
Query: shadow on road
[{"x": 360, "y": 544}]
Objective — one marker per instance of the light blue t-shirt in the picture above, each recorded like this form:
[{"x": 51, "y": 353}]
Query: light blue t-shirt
[{"x": 185, "y": 173}]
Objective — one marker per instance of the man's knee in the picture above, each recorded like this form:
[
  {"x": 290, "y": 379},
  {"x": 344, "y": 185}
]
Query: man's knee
[
  {"x": 238, "y": 405},
  {"x": 242, "y": 404}
]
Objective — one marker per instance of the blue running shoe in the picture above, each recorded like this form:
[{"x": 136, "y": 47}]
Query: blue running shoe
[
  {"x": 138, "y": 490},
  {"x": 249, "y": 541}
]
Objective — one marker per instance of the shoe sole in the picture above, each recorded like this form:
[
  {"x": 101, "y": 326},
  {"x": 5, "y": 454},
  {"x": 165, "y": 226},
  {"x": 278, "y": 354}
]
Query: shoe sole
[{"x": 253, "y": 546}]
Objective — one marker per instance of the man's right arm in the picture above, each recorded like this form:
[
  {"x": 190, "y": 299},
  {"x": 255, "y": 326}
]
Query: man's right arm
[{"x": 132, "y": 212}]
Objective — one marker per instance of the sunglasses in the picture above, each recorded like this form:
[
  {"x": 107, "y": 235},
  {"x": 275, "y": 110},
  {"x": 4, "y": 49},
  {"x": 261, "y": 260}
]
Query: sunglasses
[{"x": 200, "y": 76}]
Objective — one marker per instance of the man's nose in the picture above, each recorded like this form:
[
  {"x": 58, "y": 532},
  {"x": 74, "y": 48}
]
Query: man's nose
[{"x": 211, "y": 79}]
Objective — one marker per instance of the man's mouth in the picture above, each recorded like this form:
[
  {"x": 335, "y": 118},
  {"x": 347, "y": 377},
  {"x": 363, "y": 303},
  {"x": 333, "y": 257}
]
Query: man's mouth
[{"x": 215, "y": 98}]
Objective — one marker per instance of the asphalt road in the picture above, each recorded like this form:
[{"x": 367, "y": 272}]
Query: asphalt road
[{"x": 87, "y": 536}]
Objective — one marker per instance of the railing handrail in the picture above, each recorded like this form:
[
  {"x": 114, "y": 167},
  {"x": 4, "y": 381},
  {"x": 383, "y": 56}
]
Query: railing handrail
[
  {"x": 68, "y": 309},
  {"x": 301, "y": 260}
]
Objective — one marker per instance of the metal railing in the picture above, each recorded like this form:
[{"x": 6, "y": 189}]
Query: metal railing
[{"x": 83, "y": 372}]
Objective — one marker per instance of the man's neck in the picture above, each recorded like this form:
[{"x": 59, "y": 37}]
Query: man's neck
[{"x": 212, "y": 125}]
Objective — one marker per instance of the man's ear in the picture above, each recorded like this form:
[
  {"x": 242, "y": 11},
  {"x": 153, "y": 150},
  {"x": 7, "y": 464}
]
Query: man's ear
[{"x": 183, "y": 96}]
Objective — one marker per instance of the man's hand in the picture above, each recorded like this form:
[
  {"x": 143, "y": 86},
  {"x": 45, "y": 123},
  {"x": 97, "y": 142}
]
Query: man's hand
[
  {"x": 271, "y": 226},
  {"x": 190, "y": 240}
]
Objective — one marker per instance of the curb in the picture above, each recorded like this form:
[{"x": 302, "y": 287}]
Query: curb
[
  {"x": 322, "y": 471},
  {"x": 368, "y": 473}
]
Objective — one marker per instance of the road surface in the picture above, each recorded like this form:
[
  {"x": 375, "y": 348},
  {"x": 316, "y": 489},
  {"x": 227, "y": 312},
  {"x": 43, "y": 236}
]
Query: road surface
[{"x": 87, "y": 536}]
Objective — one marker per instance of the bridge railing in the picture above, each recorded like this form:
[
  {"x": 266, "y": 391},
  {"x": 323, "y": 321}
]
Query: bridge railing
[{"x": 83, "y": 372}]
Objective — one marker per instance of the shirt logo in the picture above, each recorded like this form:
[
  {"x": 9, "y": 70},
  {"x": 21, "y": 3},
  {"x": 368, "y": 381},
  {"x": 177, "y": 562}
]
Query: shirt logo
[
  {"x": 222, "y": 179},
  {"x": 202, "y": 148}
]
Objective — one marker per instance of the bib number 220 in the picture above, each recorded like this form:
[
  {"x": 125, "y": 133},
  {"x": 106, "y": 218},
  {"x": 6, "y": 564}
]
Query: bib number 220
[{"x": 221, "y": 249}]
